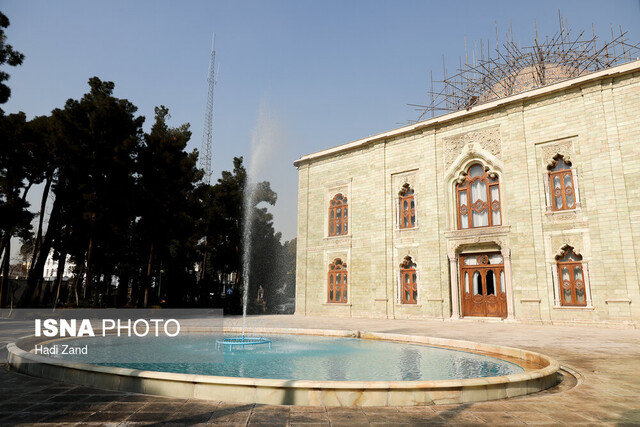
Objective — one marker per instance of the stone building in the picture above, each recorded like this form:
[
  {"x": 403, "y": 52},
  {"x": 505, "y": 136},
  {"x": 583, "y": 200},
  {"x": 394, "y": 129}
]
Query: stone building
[{"x": 523, "y": 208}]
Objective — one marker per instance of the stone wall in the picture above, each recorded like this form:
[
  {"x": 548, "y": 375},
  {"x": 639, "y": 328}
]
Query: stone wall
[{"x": 593, "y": 121}]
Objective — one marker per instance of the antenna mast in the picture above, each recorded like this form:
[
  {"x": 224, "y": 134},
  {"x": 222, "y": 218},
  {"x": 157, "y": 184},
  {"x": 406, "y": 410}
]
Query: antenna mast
[{"x": 207, "y": 137}]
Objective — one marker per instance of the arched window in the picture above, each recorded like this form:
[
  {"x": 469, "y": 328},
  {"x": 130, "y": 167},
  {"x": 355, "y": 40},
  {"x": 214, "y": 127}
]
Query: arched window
[
  {"x": 338, "y": 215},
  {"x": 478, "y": 198},
  {"x": 572, "y": 280},
  {"x": 409, "y": 279},
  {"x": 561, "y": 184},
  {"x": 338, "y": 286},
  {"x": 407, "y": 207}
]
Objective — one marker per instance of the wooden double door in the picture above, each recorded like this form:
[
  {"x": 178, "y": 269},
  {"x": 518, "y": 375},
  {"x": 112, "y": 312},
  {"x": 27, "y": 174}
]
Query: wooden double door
[{"x": 482, "y": 285}]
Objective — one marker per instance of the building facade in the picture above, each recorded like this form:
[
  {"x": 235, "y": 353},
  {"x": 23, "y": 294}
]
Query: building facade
[
  {"x": 525, "y": 208},
  {"x": 50, "y": 271}
]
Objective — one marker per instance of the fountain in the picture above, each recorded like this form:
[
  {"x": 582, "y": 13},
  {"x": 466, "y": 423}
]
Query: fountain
[
  {"x": 262, "y": 137},
  {"x": 240, "y": 342},
  {"x": 306, "y": 366}
]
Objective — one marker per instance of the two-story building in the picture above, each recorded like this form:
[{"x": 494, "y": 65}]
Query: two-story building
[{"x": 526, "y": 208}]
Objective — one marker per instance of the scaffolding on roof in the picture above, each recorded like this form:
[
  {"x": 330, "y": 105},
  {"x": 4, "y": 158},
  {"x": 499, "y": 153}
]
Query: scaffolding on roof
[{"x": 514, "y": 69}]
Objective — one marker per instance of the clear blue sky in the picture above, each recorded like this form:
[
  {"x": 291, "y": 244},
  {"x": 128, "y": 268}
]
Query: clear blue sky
[{"x": 314, "y": 74}]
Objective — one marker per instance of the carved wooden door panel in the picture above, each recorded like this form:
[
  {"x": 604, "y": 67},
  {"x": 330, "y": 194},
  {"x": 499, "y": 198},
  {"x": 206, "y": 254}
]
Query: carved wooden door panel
[{"x": 482, "y": 285}]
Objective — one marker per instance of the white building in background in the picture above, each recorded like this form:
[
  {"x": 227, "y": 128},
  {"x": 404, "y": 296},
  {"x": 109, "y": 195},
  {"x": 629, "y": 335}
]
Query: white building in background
[{"x": 51, "y": 268}]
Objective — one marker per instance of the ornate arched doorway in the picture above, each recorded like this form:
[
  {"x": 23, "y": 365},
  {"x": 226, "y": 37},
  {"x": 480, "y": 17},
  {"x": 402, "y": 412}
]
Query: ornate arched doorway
[{"x": 483, "y": 285}]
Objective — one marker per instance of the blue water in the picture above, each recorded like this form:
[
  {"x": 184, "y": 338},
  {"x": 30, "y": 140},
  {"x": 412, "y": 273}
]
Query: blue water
[{"x": 301, "y": 357}]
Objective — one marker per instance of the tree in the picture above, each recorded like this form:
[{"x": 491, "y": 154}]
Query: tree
[
  {"x": 222, "y": 225},
  {"x": 16, "y": 178},
  {"x": 7, "y": 56},
  {"x": 224, "y": 216},
  {"x": 44, "y": 163},
  {"x": 169, "y": 203},
  {"x": 287, "y": 261},
  {"x": 13, "y": 209},
  {"x": 94, "y": 142},
  {"x": 130, "y": 206},
  {"x": 265, "y": 248}
]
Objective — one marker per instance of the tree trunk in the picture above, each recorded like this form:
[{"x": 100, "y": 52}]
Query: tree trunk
[
  {"x": 204, "y": 264},
  {"x": 26, "y": 190},
  {"x": 61, "y": 264},
  {"x": 5, "y": 248},
  {"x": 147, "y": 283},
  {"x": 37, "y": 268},
  {"x": 44, "y": 290},
  {"x": 1, "y": 245},
  {"x": 136, "y": 286},
  {"x": 4, "y": 285},
  {"x": 87, "y": 279},
  {"x": 107, "y": 290},
  {"x": 76, "y": 284},
  {"x": 123, "y": 289},
  {"x": 43, "y": 204}
]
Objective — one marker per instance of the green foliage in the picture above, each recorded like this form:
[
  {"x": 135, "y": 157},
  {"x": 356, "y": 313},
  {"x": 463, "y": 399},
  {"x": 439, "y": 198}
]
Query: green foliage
[
  {"x": 90, "y": 164},
  {"x": 7, "y": 56},
  {"x": 130, "y": 209},
  {"x": 16, "y": 177},
  {"x": 15, "y": 172},
  {"x": 224, "y": 204},
  {"x": 170, "y": 205}
]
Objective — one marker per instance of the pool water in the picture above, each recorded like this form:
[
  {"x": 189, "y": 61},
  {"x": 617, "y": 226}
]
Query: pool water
[{"x": 300, "y": 358}]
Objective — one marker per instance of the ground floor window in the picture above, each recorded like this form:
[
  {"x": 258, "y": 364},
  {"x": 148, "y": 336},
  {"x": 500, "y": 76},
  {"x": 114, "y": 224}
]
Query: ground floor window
[
  {"x": 409, "y": 281},
  {"x": 571, "y": 276},
  {"x": 338, "y": 286}
]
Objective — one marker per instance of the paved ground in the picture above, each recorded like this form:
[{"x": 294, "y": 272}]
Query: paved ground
[{"x": 605, "y": 391}]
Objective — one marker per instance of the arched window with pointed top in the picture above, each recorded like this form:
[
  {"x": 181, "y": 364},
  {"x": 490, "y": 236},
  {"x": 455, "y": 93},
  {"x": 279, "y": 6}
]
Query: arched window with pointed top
[
  {"x": 338, "y": 282},
  {"x": 409, "y": 281},
  {"x": 338, "y": 215},
  {"x": 561, "y": 184},
  {"x": 571, "y": 277},
  {"x": 478, "y": 199},
  {"x": 407, "y": 207}
]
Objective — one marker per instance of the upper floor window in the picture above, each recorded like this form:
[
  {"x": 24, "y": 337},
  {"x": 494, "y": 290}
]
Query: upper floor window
[
  {"x": 338, "y": 215},
  {"x": 561, "y": 184},
  {"x": 478, "y": 198},
  {"x": 409, "y": 279},
  {"x": 572, "y": 281},
  {"x": 407, "y": 207},
  {"x": 338, "y": 276}
]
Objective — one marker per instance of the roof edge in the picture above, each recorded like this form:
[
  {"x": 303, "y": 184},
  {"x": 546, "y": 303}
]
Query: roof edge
[{"x": 609, "y": 72}]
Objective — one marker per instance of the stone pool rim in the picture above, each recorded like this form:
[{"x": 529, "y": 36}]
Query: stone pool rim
[{"x": 304, "y": 392}]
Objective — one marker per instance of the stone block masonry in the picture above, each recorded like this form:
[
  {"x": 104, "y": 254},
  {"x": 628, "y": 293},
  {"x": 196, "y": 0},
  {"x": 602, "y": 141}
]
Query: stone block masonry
[{"x": 591, "y": 122}]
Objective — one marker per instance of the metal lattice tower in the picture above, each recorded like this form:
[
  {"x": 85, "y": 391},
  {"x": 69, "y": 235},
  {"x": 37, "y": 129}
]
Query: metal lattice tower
[{"x": 207, "y": 137}]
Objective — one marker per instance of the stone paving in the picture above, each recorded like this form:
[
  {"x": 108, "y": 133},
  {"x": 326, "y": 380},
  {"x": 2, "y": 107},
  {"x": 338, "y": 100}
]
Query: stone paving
[{"x": 604, "y": 391}]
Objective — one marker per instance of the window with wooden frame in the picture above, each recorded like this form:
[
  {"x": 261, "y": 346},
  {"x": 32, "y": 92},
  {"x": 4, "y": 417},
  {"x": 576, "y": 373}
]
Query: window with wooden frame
[
  {"x": 409, "y": 281},
  {"x": 407, "y": 207},
  {"x": 571, "y": 277},
  {"x": 338, "y": 282},
  {"x": 561, "y": 185},
  {"x": 338, "y": 216},
  {"x": 478, "y": 199}
]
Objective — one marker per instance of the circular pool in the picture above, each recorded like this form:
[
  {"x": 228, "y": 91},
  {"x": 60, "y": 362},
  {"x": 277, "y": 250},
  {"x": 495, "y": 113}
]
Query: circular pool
[
  {"x": 312, "y": 367},
  {"x": 299, "y": 357}
]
